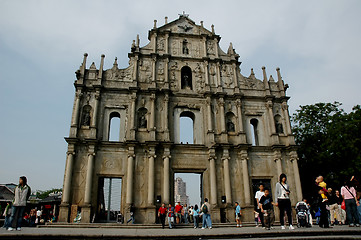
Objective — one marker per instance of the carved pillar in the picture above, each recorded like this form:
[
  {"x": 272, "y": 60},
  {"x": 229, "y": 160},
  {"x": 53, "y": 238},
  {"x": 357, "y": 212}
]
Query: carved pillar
[
  {"x": 209, "y": 114},
  {"x": 135, "y": 72},
  {"x": 271, "y": 118},
  {"x": 221, "y": 110},
  {"x": 151, "y": 158},
  {"x": 154, "y": 60},
  {"x": 152, "y": 112},
  {"x": 132, "y": 121},
  {"x": 166, "y": 170},
  {"x": 68, "y": 176},
  {"x": 206, "y": 72},
  {"x": 278, "y": 161},
  {"x": 166, "y": 43},
  {"x": 239, "y": 114},
  {"x": 204, "y": 40},
  {"x": 287, "y": 117},
  {"x": 212, "y": 170},
  {"x": 294, "y": 159},
  {"x": 166, "y": 78},
  {"x": 95, "y": 113},
  {"x": 75, "y": 117},
  {"x": 244, "y": 159},
  {"x": 165, "y": 118},
  {"x": 89, "y": 176},
  {"x": 216, "y": 47},
  {"x": 130, "y": 176},
  {"x": 219, "y": 84},
  {"x": 227, "y": 180},
  {"x": 235, "y": 80}
]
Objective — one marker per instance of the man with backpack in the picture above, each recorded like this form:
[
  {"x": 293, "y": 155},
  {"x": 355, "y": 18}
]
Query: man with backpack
[{"x": 206, "y": 216}]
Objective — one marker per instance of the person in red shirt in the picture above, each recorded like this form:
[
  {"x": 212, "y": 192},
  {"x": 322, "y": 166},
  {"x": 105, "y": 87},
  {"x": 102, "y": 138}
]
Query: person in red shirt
[
  {"x": 178, "y": 212},
  {"x": 162, "y": 213}
]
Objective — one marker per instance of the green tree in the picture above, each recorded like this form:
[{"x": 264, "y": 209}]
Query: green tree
[
  {"x": 330, "y": 143},
  {"x": 45, "y": 194}
]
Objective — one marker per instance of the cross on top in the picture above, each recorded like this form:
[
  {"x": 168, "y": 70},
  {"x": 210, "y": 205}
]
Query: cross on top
[{"x": 183, "y": 14}]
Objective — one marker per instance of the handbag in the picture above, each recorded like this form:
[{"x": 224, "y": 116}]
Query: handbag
[{"x": 343, "y": 205}]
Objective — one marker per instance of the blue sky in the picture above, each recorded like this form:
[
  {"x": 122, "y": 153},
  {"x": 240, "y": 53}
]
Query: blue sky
[{"x": 315, "y": 43}]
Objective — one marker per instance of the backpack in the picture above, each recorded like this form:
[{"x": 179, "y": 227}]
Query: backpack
[{"x": 204, "y": 208}]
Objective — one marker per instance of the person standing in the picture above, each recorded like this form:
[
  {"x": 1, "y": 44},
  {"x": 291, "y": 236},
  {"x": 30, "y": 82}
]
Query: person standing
[
  {"x": 195, "y": 213},
  {"x": 131, "y": 211},
  {"x": 348, "y": 193},
  {"x": 339, "y": 202},
  {"x": 162, "y": 213},
  {"x": 206, "y": 217},
  {"x": 185, "y": 213},
  {"x": 333, "y": 205},
  {"x": 322, "y": 204},
  {"x": 178, "y": 212},
  {"x": 283, "y": 201},
  {"x": 258, "y": 196},
  {"x": 266, "y": 205},
  {"x": 22, "y": 194},
  {"x": 238, "y": 214},
  {"x": 7, "y": 214},
  {"x": 170, "y": 213}
]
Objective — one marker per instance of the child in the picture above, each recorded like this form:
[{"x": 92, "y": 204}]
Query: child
[
  {"x": 238, "y": 214},
  {"x": 266, "y": 205},
  {"x": 256, "y": 218}
]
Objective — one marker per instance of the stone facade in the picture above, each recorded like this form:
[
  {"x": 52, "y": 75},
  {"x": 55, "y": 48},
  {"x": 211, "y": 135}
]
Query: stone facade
[{"x": 241, "y": 129}]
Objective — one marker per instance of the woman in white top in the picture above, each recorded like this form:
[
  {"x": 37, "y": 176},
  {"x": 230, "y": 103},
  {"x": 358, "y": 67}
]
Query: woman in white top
[{"x": 283, "y": 201}]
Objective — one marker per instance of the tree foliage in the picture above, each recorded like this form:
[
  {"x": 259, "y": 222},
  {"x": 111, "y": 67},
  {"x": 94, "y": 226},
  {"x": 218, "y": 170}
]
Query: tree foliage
[
  {"x": 330, "y": 143},
  {"x": 45, "y": 194}
]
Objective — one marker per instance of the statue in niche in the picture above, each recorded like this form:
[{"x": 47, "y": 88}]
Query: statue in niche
[
  {"x": 230, "y": 126},
  {"x": 187, "y": 83},
  {"x": 279, "y": 127},
  {"x": 86, "y": 118},
  {"x": 185, "y": 47},
  {"x": 142, "y": 121}
]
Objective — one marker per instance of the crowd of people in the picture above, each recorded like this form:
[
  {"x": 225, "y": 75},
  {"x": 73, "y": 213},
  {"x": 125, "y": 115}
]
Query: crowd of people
[{"x": 184, "y": 214}]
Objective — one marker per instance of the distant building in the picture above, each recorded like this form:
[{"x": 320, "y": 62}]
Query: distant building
[{"x": 180, "y": 191}]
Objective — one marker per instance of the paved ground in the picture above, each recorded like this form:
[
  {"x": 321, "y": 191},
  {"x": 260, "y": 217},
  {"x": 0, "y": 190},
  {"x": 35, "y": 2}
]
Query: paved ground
[{"x": 338, "y": 232}]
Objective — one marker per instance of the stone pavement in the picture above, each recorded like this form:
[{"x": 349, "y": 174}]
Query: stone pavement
[{"x": 339, "y": 232}]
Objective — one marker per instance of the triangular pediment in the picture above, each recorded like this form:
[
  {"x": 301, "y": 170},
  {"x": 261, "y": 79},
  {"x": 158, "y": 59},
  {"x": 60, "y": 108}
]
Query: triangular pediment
[{"x": 184, "y": 25}]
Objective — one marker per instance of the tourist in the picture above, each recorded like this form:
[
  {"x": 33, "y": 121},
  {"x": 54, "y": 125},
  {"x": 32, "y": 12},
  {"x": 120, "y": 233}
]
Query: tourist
[
  {"x": 258, "y": 196},
  {"x": 206, "y": 216},
  {"x": 266, "y": 205},
  {"x": 22, "y": 194},
  {"x": 190, "y": 213},
  {"x": 7, "y": 214},
  {"x": 333, "y": 202},
  {"x": 320, "y": 182},
  {"x": 195, "y": 213},
  {"x": 162, "y": 213},
  {"x": 322, "y": 204},
  {"x": 170, "y": 215},
  {"x": 339, "y": 202},
  {"x": 185, "y": 213},
  {"x": 283, "y": 201},
  {"x": 238, "y": 214},
  {"x": 178, "y": 212},
  {"x": 39, "y": 213},
  {"x": 131, "y": 211},
  {"x": 348, "y": 193}
]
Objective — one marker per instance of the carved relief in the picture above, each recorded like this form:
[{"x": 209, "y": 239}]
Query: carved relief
[
  {"x": 212, "y": 72},
  {"x": 145, "y": 71},
  {"x": 160, "y": 71},
  {"x": 210, "y": 47},
  {"x": 120, "y": 74},
  {"x": 160, "y": 44},
  {"x": 172, "y": 75},
  {"x": 175, "y": 47},
  {"x": 196, "y": 50},
  {"x": 198, "y": 74},
  {"x": 227, "y": 75}
]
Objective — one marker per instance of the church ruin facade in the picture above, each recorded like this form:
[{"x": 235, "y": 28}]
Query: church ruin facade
[{"x": 241, "y": 127}]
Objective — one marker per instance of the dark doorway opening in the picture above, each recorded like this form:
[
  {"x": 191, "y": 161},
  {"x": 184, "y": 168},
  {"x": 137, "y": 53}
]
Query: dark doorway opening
[{"x": 109, "y": 199}]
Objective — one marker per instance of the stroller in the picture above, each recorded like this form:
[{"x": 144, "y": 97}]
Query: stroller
[{"x": 303, "y": 215}]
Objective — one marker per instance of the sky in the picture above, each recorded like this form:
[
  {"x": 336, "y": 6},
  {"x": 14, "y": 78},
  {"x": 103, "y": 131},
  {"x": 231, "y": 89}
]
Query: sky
[{"x": 315, "y": 43}]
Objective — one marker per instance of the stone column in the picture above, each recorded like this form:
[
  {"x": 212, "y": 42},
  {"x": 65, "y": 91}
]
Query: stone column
[
  {"x": 294, "y": 159},
  {"x": 212, "y": 172},
  {"x": 166, "y": 169},
  {"x": 227, "y": 180},
  {"x": 152, "y": 111},
  {"x": 219, "y": 84},
  {"x": 130, "y": 175},
  {"x": 269, "y": 106},
  {"x": 132, "y": 123},
  {"x": 95, "y": 112},
  {"x": 89, "y": 179},
  {"x": 247, "y": 193},
  {"x": 166, "y": 43},
  {"x": 75, "y": 116},
  {"x": 135, "y": 73},
  {"x": 221, "y": 109},
  {"x": 278, "y": 161},
  {"x": 206, "y": 72},
  {"x": 287, "y": 117},
  {"x": 204, "y": 40},
  {"x": 235, "y": 80},
  {"x": 166, "y": 80},
  {"x": 151, "y": 176},
  {"x": 165, "y": 118},
  {"x": 209, "y": 114},
  {"x": 239, "y": 115},
  {"x": 68, "y": 176}
]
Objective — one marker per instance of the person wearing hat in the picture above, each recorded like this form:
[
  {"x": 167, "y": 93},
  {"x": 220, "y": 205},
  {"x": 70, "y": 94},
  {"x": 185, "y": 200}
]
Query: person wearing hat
[{"x": 22, "y": 194}]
